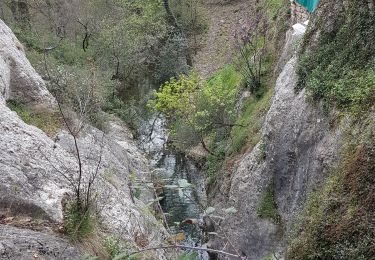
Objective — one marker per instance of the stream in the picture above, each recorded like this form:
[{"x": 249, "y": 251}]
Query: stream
[{"x": 173, "y": 167}]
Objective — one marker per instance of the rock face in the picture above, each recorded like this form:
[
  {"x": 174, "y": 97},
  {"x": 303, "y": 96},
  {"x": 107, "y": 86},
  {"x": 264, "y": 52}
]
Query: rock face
[
  {"x": 18, "y": 79},
  {"x": 32, "y": 168},
  {"x": 25, "y": 244},
  {"x": 297, "y": 149}
]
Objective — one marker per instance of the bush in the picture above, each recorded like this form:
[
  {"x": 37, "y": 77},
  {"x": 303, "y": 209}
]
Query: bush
[
  {"x": 196, "y": 108},
  {"x": 267, "y": 207},
  {"x": 79, "y": 223},
  {"x": 113, "y": 246}
]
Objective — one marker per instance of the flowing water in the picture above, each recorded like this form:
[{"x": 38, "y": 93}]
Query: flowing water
[{"x": 171, "y": 167}]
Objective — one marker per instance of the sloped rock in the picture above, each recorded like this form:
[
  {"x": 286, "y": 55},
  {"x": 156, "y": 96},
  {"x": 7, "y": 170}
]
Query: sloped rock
[
  {"x": 16, "y": 243},
  {"x": 18, "y": 79},
  {"x": 33, "y": 184},
  {"x": 33, "y": 167},
  {"x": 299, "y": 147}
]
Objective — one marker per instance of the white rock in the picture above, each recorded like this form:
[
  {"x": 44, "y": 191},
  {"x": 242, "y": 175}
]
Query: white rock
[{"x": 18, "y": 79}]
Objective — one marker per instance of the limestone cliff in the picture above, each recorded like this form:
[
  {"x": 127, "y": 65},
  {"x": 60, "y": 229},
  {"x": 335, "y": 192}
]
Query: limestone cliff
[
  {"x": 299, "y": 146},
  {"x": 32, "y": 188}
]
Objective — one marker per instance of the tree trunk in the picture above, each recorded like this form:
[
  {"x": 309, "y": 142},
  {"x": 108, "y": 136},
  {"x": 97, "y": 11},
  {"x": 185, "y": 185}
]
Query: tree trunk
[{"x": 172, "y": 19}]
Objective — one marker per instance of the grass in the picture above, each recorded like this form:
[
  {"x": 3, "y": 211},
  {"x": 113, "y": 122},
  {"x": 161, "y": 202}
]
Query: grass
[
  {"x": 340, "y": 70},
  {"x": 337, "y": 220},
  {"x": 251, "y": 119},
  {"x": 48, "y": 122},
  {"x": 273, "y": 8},
  {"x": 79, "y": 224},
  {"x": 267, "y": 207}
]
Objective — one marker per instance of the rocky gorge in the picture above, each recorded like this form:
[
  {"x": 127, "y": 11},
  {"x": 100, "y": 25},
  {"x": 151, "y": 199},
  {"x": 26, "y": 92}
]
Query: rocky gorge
[{"x": 294, "y": 194}]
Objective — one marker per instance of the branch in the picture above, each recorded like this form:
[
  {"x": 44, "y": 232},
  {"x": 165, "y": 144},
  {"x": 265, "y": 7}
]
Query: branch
[
  {"x": 85, "y": 42},
  {"x": 125, "y": 255}
]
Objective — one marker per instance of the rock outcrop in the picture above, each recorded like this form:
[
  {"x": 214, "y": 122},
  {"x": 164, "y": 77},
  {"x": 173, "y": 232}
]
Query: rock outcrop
[
  {"x": 297, "y": 149},
  {"x": 18, "y": 79},
  {"x": 32, "y": 168},
  {"x": 16, "y": 243}
]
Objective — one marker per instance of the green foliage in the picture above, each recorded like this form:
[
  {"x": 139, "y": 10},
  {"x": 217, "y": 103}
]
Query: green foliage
[
  {"x": 170, "y": 63},
  {"x": 337, "y": 220},
  {"x": 273, "y": 8},
  {"x": 262, "y": 151},
  {"x": 89, "y": 257},
  {"x": 175, "y": 99},
  {"x": 195, "y": 107},
  {"x": 188, "y": 256},
  {"x": 191, "y": 18},
  {"x": 113, "y": 246},
  {"x": 267, "y": 207},
  {"x": 128, "y": 47},
  {"x": 340, "y": 70},
  {"x": 124, "y": 256},
  {"x": 215, "y": 162},
  {"x": 247, "y": 133},
  {"x": 79, "y": 222},
  {"x": 49, "y": 122},
  {"x": 130, "y": 112}
]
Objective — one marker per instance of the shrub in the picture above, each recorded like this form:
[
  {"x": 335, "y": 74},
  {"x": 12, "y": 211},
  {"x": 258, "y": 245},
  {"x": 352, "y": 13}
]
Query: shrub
[
  {"x": 113, "y": 246},
  {"x": 267, "y": 207},
  {"x": 79, "y": 222},
  {"x": 340, "y": 70},
  {"x": 196, "y": 108}
]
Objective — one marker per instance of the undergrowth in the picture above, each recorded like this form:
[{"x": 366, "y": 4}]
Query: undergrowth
[
  {"x": 49, "y": 122},
  {"x": 337, "y": 222},
  {"x": 341, "y": 69},
  {"x": 267, "y": 207},
  {"x": 247, "y": 133},
  {"x": 79, "y": 223}
]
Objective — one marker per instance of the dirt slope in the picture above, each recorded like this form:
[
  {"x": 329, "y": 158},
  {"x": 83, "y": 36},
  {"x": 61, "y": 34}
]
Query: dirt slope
[{"x": 224, "y": 20}]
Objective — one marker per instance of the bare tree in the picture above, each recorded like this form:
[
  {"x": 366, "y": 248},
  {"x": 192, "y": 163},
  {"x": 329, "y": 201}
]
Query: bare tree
[
  {"x": 252, "y": 47},
  {"x": 81, "y": 179}
]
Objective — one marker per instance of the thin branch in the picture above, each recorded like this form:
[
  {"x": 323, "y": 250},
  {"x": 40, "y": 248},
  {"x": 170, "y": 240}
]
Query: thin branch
[{"x": 125, "y": 255}]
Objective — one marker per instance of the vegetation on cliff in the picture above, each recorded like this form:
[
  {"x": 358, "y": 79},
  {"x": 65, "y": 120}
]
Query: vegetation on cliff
[
  {"x": 337, "y": 220},
  {"x": 340, "y": 70}
]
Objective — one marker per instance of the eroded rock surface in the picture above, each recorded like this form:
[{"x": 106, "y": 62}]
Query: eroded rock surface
[
  {"x": 32, "y": 169},
  {"x": 18, "y": 79},
  {"x": 16, "y": 243},
  {"x": 296, "y": 150}
]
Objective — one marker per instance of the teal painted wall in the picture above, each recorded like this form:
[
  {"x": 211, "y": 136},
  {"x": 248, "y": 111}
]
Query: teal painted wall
[{"x": 309, "y": 4}]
